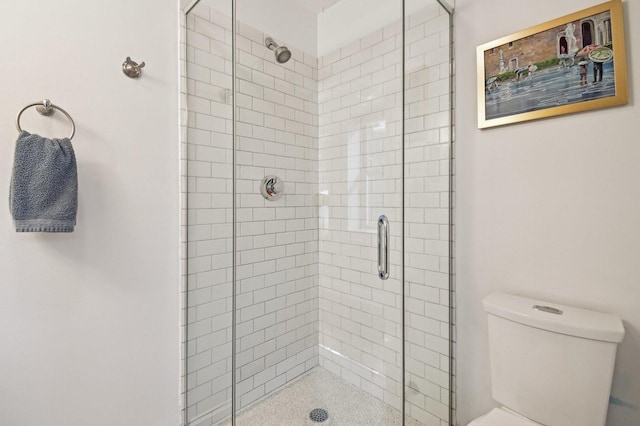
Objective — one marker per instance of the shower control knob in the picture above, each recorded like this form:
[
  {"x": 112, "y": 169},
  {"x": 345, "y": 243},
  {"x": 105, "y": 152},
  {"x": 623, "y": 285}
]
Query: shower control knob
[
  {"x": 272, "y": 187},
  {"x": 275, "y": 187}
]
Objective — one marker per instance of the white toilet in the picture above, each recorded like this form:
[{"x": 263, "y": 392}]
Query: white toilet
[{"x": 551, "y": 365}]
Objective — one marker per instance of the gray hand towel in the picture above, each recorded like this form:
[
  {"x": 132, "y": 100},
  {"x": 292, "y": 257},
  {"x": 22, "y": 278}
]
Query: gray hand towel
[{"x": 44, "y": 186}]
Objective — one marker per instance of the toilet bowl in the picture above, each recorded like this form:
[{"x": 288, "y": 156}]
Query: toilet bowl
[{"x": 551, "y": 365}]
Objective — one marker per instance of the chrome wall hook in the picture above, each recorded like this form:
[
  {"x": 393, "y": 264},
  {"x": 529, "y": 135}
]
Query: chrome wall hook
[{"x": 131, "y": 68}]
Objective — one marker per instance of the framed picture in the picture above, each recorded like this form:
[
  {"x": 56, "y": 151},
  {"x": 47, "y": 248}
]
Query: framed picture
[{"x": 571, "y": 64}]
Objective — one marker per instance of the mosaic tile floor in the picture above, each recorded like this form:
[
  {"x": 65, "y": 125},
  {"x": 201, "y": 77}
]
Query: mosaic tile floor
[{"x": 347, "y": 405}]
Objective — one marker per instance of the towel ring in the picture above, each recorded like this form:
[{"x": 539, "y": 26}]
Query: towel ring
[{"x": 46, "y": 108}]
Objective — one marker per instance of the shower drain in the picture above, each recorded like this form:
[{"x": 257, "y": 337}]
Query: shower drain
[{"x": 319, "y": 415}]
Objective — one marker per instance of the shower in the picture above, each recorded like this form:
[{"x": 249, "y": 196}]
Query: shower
[
  {"x": 329, "y": 304},
  {"x": 283, "y": 54}
]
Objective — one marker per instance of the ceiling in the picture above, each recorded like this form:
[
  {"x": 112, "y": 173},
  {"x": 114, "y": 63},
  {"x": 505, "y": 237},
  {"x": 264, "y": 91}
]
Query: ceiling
[{"x": 316, "y": 6}]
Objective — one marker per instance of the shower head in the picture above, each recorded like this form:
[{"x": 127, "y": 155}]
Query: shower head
[{"x": 283, "y": 54}]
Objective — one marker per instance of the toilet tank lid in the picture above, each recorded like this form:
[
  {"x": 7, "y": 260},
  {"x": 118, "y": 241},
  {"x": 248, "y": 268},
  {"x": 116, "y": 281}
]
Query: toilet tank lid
[{"x": 545, "y": 315}]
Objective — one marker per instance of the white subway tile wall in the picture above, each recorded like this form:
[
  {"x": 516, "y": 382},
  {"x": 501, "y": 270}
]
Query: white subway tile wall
[
  {"x": 427, "y": 221},
  {"x": 183, "y": 216},
  {"x": 277, "y": 242},
  {"x": 308, "y": 293},
  {"x": 209, "y": 208}
]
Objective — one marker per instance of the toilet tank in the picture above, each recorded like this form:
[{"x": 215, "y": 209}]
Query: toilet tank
[{"x": 551, "y": 363}]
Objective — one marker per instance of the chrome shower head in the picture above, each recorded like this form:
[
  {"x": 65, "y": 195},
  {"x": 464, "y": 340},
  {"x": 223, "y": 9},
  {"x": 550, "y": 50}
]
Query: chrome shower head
[{"x": 283, "y": 54}]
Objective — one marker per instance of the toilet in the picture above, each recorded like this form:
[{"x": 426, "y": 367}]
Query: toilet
[{"x": 551, "y": 365}]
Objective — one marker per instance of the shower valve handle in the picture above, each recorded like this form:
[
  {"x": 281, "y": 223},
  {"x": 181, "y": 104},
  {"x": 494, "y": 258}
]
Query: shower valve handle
[{"x": 272, "y": 187}]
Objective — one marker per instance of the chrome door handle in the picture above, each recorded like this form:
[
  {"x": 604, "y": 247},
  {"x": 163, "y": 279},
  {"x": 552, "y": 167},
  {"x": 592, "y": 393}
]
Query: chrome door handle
[{"x": 383, "y": 247}]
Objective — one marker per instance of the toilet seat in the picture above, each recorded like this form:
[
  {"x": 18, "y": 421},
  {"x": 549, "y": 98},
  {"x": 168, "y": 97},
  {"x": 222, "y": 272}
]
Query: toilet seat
[{"x": 502, "y": 417}]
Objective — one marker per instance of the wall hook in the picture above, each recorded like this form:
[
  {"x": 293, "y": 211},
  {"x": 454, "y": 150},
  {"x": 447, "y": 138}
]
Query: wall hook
[{"x": 131, "y": 68}]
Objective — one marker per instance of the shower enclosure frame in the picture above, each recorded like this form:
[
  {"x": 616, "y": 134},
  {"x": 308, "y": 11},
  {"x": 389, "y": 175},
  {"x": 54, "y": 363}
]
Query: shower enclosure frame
[{"x": 185, "y": 7}]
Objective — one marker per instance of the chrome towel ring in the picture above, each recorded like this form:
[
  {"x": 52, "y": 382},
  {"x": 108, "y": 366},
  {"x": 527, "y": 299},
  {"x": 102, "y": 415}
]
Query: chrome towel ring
[{"x": 47, "y": 109}]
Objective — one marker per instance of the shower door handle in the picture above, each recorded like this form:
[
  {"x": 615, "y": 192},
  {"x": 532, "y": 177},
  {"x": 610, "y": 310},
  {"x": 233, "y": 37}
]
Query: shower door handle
[{"x": 383, "y": 247}]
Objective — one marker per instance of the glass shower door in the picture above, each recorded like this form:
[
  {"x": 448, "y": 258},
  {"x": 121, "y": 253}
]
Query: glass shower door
[
  {"x": 427, "y": 243},
  {"x": 314, "y": 321},
  {"x": 333, "y": 298},
  {"x": 361, "y": 223}
]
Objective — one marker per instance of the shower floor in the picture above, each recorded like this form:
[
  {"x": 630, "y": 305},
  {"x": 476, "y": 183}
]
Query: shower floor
[{"x": 347, "y": 405}]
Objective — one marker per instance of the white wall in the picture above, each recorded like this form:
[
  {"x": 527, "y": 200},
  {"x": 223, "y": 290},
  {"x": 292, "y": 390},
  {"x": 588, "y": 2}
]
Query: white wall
[
  {"x": 287, "y": 21},
  {"x": 545, "y": 209},
  {"x": 291, "y": 21},
  {"x": 89, "y": 320},
  {"x": 349, "y": 20},
  {"x": 284, "y": 20}
]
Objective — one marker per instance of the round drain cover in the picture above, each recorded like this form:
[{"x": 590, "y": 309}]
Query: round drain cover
[{"x": 319, "y": 415}]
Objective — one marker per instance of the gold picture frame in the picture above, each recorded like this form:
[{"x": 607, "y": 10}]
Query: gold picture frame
[{"x": 540, "y": 72}]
